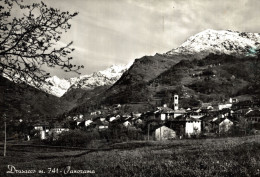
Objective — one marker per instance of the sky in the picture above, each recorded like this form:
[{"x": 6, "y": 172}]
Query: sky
[{"x": 107, "y": 32}]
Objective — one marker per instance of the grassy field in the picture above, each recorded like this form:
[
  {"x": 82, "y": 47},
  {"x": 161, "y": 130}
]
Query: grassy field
[{"x": 237, "y": 156}]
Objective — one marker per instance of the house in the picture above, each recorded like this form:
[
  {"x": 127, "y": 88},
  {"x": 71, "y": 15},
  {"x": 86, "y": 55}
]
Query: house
[
  {"x": 58, "y": 129},
  {"x": 55, "y": 132},
  {"x": 137, "y": 120},
  {"x": 207, "y": 125},
  {"x": 78, "y": 117},
  {"x": 253, "y": 116},
  {"x": 192, "y": 127},
  {"x": 241, "y": 112},
  {"x": 196, "y": 115},
  {"x": 87, "y": 122},
  {"x": 179, "y": 112},
  {"x": 164, "y": 133},
  {"x": 165, "y": 113},
  {"x": 207, "y": 106},
  {"x": 95, "y": 113},
  {"x": 224, "y": 125},
  {"x": 84, "y": 123},
  {"x": 225, "y": 112},
  {"x": 43, "y": 128},
  {"x": 242, "y": 105},
  {"x": 101, "y": 125},
  {"x": 196, "y": 109},
  {"x": 111, "y": 119},
  {"x": 102, "y": 119},
  {"x": 224, "y": 106},
  {"x": 186, "y": 125},
  {"x": 233, "y": 100},
  {"x": 127, "y": 123},
  {"x": 136, "y": 114}
]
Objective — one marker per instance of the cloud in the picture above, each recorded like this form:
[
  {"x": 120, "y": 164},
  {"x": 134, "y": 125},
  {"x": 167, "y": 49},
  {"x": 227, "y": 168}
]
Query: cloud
[{"x": 118, "y": 31}]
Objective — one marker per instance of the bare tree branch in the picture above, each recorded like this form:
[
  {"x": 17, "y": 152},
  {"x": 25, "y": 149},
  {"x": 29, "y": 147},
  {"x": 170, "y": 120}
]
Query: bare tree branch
[{"x": 28, "y": 42}]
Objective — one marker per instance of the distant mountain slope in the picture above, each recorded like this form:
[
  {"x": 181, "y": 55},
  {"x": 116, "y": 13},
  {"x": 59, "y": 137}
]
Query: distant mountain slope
[
  {"x": 140, "y": 73},
  {"x": 28, "y": 102},
  {"x": 215, "y": 78}
]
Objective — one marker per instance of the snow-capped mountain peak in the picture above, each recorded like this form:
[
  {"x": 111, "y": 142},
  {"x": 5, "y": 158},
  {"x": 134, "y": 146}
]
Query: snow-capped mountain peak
[
  {"x": 57, "y": 86},
  {"x": 106, "y": 77},
  {"x": 218, "y": 41},
  {"x": 109, "y": 76}
]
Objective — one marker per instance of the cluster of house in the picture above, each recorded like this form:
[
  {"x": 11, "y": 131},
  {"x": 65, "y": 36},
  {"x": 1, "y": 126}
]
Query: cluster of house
[
  {"x": 207, "y": 119},
  {"x": 44, "y": 130},
  {"x": 167, "y": 123}
]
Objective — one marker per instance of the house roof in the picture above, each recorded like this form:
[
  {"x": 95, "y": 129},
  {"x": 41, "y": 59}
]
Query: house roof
[
  {"x": 41, "y": 124},
  {"x": 163, "y": 126},
  {"x": 225, "y": 110},
  {"x": 219, "y": 120},
  {"x": 206, "y": 104},
  {"x": 99, "y": 122},
  {"x": 165, "y": 110},
  {"x": 207, "y": 118},
  {"x": 182, "y": 111},
  {"x": 195, "y": 113},
  {"x": 88, "y": 122},
  {"x": 244, "y": 103},
  {"x": 185, "y": 118},
  {"x": 254, "y": 113}
]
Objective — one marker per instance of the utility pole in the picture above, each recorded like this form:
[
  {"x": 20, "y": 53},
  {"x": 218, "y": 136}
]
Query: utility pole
[
  {"x": 4, "y": 116},
  {"x": 148, "y": 132},
  {"x": 160, "y": 133}
]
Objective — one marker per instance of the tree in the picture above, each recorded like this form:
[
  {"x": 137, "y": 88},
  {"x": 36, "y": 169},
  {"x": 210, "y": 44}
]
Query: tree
[{"x": 30, "y": 41}]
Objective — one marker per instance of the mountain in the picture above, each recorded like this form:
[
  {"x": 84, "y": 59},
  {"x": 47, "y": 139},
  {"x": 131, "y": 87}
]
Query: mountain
[
  {"x": 109, "y": 76},
  {"x": 219, "y": 42},
  {"x": 57, "y": 86},
  {"x": 146, "y": 69},
  {"x": 21, "y": 100},
  {"x": 101, "y": 78},
  {"x": 26, "y": 102},
  {"x": 209, "y": 66}
]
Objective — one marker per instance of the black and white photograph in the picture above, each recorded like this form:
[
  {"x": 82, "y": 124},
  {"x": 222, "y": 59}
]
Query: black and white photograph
[{"x": 130, "y": 88}]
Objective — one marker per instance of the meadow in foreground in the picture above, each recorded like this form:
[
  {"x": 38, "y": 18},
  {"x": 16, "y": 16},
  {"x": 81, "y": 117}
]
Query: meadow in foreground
[{"x": 238, "y": 156}]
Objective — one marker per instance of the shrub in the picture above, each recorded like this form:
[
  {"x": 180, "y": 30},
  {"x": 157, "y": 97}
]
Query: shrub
[{"x": 75, "y": 137}]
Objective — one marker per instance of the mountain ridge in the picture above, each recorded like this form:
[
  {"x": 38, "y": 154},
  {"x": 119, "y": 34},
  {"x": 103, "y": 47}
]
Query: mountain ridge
[
  {"x": 58, "y": 86},
  {"x": 193, "y": 73},
  {"x": 138, "y": 84},
  {"x": 217, "y": 42}
]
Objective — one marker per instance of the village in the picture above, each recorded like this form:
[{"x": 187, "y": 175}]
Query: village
[{"x": 232, "y": 118}]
